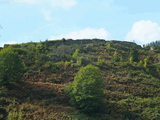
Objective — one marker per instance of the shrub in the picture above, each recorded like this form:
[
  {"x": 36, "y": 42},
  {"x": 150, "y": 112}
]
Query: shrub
[
  {"x": 75, "y": 54},
  {"x": 86, "y": 91},
  {"x": 100, "y": 61},
  {"x": 12, "y": 67},
  {"x": 82, "y": 61},
  {"x": 116, "y": 57}
]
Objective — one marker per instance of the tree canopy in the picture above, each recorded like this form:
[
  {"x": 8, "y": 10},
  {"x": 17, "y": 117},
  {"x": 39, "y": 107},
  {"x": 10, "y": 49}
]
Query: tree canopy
[
  {"x": 86, "y": 91},
  {"x": 11, "y": 66}
]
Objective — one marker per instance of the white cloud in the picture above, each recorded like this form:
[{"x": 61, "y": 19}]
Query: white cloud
[
  {"x": 47, "y": 14},
  {"x": 8, "y": 42},
  {"x": 87, "y": 33},
  {"x": 144, "y": 32},
  {"x": 53, "y": 3}
]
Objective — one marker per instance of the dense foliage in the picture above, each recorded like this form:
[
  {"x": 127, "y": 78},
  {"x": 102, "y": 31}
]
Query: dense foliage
[
  {"x": 131, "y": 75},
  {"x": 153, "y": 43},
  {"x": 86, "y": 91},
  {"x": 11, "y": 66}
]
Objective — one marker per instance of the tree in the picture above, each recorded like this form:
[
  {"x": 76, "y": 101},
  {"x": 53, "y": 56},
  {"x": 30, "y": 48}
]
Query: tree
[
  {"x": 146, "y": 60},
  {"x": 86, "y": 91},
  {"x": 116, "y": 57},
  {"x": 40, "y": 48},
  {"x": 63, "y": 39},
  {"x": 11, "y": 66},
  {"x": 134, "y": 54},
  {"x": 75, "y": 54}
]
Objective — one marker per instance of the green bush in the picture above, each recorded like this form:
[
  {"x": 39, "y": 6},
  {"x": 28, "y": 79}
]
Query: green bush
[
  {"x": 11, "y": 66},
  {"x": 116, "y": 57},
  {"x": 86, "y": 91},
  {"x": 82, "y": 61},
  {"x": 15, "y": 114},
  {"x": 100, "y": 61},
  {"x": 75, "y": 54}
]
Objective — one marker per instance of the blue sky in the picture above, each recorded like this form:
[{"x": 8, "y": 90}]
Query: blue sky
[{"x": 37, "y": 20}]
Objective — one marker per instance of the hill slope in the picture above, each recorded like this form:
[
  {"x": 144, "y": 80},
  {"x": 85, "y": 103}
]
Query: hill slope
[{"x": 131, "y": 74}]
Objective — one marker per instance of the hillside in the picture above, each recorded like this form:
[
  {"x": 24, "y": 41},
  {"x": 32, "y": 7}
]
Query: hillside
[{"x": 131, "y": 77}]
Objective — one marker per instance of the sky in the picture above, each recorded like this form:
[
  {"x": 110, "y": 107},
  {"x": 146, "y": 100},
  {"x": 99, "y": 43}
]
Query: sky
[{"x": 23, "y": 21}]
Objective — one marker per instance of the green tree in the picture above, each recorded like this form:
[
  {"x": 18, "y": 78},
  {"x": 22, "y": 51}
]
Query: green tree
[
  {"x": 100, "y": 61},
  {"x": 134, "y": 54},
  {"x": 146, "y": 60},
  {"x": 11, "y": 66},
  {"x": 131, "y": 59},
  {"x": 86, "y": 91},
  {"x": 40, "y": 48},
  {"x": 63, "y": 39},
  {"x": 75, "y": 54},
  {"x": 116, "y": 57},
  {"x": 141, "y": 63}
]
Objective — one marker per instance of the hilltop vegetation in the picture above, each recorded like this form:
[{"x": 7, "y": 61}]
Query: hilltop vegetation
[
  {"x": 131, "y": 77},
  {"x": 157, "y": 42}
]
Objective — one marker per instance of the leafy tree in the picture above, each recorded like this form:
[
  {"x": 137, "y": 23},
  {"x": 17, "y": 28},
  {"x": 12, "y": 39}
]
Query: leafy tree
[
  {"x": 40, "y": 60},
  {"x": 157, "y": 42},
  {"x": 63, "y": 39},
  {"x": 116, "y": 57},
  {"x": 62, "y": 52},
  {"x": 131, "y": 59},
  {"x": 146, "y": 60},
  {"x": 40, "y": 48},
  {"x": 108, "y": 47},
  {"x": 134, "y": 54},
  {"x": 75, "y": 54},
  {"x": 100, "y": 61},
  {"x": 82, "y": 61},
  {"x": 86, "y": 91},
  {"x": 141, "y": 63},
  {"x": 11, "y": 66}
]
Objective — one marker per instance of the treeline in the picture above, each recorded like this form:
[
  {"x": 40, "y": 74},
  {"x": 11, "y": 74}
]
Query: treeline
[
  {"x": 155, "y": 45},
  {"x": 157, "y": 42}
]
